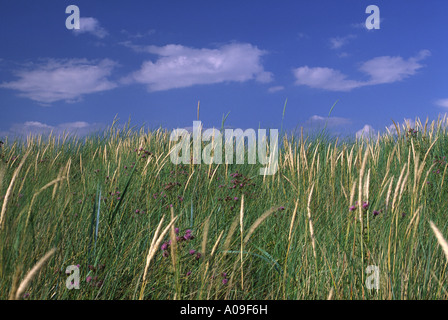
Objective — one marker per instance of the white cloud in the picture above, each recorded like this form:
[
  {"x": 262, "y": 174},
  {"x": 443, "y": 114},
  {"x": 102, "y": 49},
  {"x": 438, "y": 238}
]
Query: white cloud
[
  {"x": 275, "y": 89},
  {"x": 92, "y": 26},
  {"x": 324, "y": 78},
  {"x": 381, "y": 70},
  {"x": 391, "y": 69},
  {"x": 366, "y": 132},
  {"x": 338, "y": 42},
  {"x": 179, "y": 66},
  {"x": 66, "y": 80},
  {"x": 442, "y": 103}
]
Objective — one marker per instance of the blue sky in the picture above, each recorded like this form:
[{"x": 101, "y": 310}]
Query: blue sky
[{"x": 153, "y": 61}]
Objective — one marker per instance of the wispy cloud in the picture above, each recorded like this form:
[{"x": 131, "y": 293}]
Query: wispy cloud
[
  {"x": 362, "y": 25},
  {"x": 137, "y": 35},
  {"x": 442, "y": 103},
  {"x": 275, "y": 89},
  {"x": 336, "y": 126},
  {"x": 92, "y": 26},
  {"x": 179, "y": 66},
  {"x": 381, "y": 70},
  {"x": 68, "y": 80},
  {"x": 78, "y": 128},
  {"x": 338, "y": 42},
  {"x": 319, "y": 121}
]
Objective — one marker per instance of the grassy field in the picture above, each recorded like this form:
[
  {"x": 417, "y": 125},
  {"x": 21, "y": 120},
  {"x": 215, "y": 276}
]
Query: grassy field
[{"x": 140, "y": 227}]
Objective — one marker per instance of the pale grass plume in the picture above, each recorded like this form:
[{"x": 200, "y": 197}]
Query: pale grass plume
[
  {"x": 155, "y": 243},
  {"x": 330, "y": 295},
  {"x": 442, "y": 242},
  {"x": 242, "y": 245},
  {"x": 257, "y": 223},
  {"x": 11, "y": 185},
  {"x": 230, "y": 234},
  {"x": 32, "y": 273}
]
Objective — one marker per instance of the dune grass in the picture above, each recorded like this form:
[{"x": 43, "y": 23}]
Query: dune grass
[{"x": 140, "y": 227}]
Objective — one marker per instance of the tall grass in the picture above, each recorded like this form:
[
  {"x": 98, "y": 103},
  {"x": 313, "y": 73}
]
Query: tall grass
[{"x": 140, "y": 227}]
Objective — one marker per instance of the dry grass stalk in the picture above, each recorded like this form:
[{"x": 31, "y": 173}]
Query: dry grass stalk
[
  {"x": 32, "y": 273},
  {"x": 310, "y": 222},
  {"x": 292, "y": 221},
  {"x": 216, "y": 243},
  {"x": 173, "y": 245},
  {"x": 416, "y": 213},
  {"x": 397, "y": 187},
  {"x": 204, "y": 235}
]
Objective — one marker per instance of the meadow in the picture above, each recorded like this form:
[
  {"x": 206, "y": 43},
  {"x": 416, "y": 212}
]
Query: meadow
[{"x": 137, "y": 226}]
